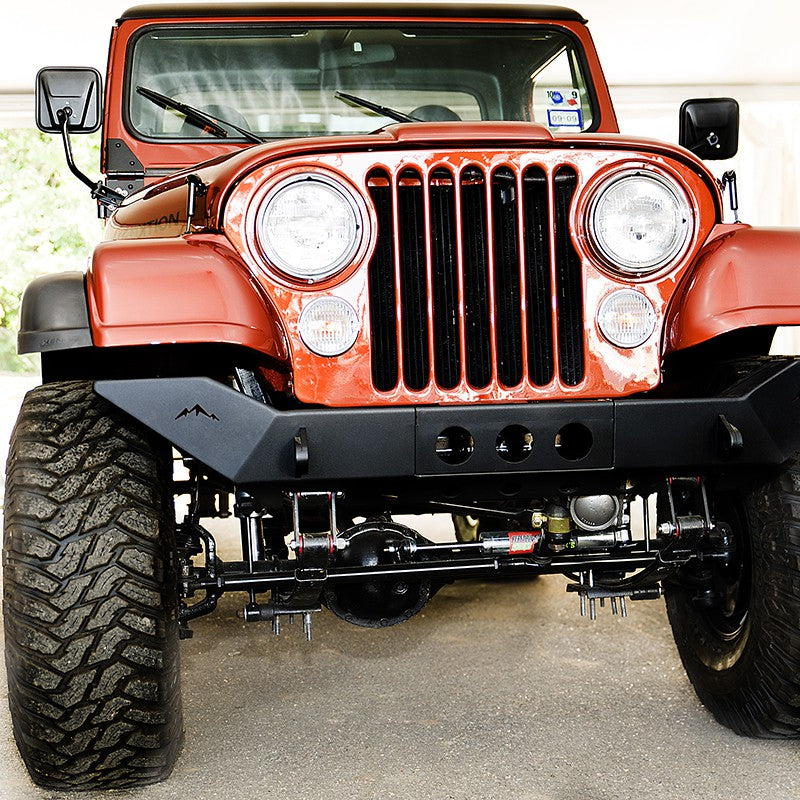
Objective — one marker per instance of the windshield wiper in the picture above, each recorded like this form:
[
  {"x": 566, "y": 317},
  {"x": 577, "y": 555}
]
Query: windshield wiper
[
  {"x": 398, "y": 116},
  {"x": 194, "y": 116}
]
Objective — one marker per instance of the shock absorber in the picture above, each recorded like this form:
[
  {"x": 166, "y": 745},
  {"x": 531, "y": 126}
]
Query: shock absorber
[{"x": 510, "y": 542}]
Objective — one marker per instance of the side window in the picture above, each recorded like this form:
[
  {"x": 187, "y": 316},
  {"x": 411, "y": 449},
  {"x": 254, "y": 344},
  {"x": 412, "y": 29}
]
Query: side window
[{"x": 559, "y": 97}]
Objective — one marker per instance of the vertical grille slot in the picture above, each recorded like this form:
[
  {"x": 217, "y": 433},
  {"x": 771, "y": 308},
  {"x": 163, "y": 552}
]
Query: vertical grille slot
[
  {"x": 537, "y": 275},
  {"x": 507, "y": 288},
  {"x": 475, "y": 259},
  {"x": 444, "y": 271},
  {"x": 413, "y": 279},
  {"x": 382, "y": 290},
  {"x": 475, "y": 280},
  {"x": 569, "y": 285}
]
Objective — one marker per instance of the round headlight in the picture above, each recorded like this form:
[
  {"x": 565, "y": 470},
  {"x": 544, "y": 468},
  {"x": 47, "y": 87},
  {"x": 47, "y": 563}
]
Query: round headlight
[
  {"x": 626, "y": 318},
  {"x": 639, "y": 221},
  {"x": 328, "y": 326},
  {"x": 309, "y": 227}
]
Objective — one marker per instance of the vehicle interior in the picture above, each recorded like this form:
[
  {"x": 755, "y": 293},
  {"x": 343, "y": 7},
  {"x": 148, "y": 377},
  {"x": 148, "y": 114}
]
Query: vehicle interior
[{"x": 280, "y": 82}]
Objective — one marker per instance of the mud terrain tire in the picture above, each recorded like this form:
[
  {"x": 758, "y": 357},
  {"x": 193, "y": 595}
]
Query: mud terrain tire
[
  {"x": 744, "y": 660},
  {"x": 90, "y": 606}
]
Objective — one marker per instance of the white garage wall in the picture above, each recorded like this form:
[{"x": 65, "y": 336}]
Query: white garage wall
[
  {"x": 769, "y": 139},
  {"x": 654, "y": 55},
  {"x": 643, "y": 43}
]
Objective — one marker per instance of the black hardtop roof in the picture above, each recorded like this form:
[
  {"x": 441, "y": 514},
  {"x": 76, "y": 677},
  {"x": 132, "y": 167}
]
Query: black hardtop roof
[{"x": 373, "y": 8}]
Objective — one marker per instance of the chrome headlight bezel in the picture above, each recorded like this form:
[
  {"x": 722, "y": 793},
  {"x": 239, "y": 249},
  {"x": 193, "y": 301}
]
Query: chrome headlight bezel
[
  {"x": 309, "y": 271},
  {"x": 683, "y": 215}
]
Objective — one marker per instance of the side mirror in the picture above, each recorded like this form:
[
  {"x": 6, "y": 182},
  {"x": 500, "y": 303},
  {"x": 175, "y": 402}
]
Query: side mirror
[
  {"x": 709, "y": 127},
  {"x": 68, "y": 101},
  {"x": 75, "y": 90}
]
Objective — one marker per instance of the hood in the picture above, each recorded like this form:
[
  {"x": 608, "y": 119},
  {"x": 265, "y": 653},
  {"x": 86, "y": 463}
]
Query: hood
[{"x": 160, "y": 210}]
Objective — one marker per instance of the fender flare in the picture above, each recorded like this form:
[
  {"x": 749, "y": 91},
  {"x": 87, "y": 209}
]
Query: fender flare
[
  {"x": 54, "y": 314},
  {"x": 188, "y": 290},
  {"x": 747, "y": 277}
]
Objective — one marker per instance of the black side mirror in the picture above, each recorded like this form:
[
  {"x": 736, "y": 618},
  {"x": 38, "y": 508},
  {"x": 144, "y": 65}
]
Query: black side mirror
[
  {"x": 709, "y": 127},
  {"x": 73, "y": 90},
  {"x": 68, "y": 101}
]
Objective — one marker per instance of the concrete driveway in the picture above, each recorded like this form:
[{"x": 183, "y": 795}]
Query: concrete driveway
[{"x": 495, "y": 691}]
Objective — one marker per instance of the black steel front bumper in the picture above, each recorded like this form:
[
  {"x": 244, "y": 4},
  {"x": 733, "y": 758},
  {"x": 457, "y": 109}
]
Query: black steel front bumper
[{"x": 754, "y": 422}]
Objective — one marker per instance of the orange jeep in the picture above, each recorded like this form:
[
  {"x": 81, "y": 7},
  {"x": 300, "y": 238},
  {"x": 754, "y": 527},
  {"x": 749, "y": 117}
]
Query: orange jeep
[{"x": 370, "y": 259}]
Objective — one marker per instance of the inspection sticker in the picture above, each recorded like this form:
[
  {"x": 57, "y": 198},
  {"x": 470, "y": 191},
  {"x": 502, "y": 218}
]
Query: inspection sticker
[
  {"x": 564, "y": 118},
  {"x": 565, "y": 98}
]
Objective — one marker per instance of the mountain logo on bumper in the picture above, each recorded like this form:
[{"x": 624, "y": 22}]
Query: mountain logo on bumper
[{"x": 198, "y": 411}]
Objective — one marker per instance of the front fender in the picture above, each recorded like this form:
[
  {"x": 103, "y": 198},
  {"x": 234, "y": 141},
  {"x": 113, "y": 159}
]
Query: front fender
[
  {"x": 746, "y": 277},
  {"x": 181, "y": 291}
]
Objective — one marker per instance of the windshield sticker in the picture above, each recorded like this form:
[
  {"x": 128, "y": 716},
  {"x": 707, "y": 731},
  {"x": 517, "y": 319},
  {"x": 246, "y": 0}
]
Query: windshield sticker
[
  {"x": 563, "y": 98},
  {"x": 564, "y": 108},
  {"x": 564, "y": 118}
]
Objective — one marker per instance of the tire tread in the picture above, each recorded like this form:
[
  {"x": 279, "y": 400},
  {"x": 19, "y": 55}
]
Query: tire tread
[
  {"x": 90, "y": 606},
  {"x": 759, "y": 695}
]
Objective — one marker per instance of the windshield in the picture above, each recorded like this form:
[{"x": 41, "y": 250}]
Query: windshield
[{"x": 282, "y": 82}]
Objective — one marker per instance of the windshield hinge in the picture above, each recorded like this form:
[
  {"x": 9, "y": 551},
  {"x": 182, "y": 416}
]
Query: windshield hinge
[
  {"x": 120, "y": 159},
  {"x": 124, "y": 172}
]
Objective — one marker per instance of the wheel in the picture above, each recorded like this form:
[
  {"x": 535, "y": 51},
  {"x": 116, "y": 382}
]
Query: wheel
[
  {"x": 91, "y": 607},
  {"x": 737, "y": 624}
]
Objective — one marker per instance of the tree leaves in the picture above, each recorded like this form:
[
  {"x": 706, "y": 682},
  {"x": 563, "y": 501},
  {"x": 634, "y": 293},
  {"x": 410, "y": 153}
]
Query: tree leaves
[{"x": 49, "y": 222}]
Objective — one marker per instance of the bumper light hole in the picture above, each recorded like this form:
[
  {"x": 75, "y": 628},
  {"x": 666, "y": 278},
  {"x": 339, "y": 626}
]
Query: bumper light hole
[
  {"x": 514, "y": 443},
  {"x": 574, "y": 441},
  {"x": 455, "y": 445}
]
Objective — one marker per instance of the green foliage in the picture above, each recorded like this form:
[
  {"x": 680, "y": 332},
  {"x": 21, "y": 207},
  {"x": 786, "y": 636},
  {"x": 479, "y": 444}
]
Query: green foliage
[{"x": 50, "y": 223}]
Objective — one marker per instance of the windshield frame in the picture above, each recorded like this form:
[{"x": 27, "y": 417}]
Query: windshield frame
[{"x": 129, "y": 89}]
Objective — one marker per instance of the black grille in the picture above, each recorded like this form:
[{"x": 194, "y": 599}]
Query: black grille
[
  {"x": 475, "y": 258},
  {"x": 537, "y": 276},
  {"x": 382, "y": 288},
  {"x": 503, "y": 253},
  {"x": 444, "y": 274},
  {"x": 507, "y": 283},
  {"x": 569, "y": 283},
  {"x": 413, "y": 280}
]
